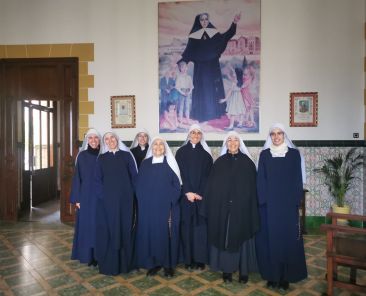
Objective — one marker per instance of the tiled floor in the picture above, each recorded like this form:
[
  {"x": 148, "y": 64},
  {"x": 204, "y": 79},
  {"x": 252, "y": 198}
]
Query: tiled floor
[{"x": 35, "y": 260}]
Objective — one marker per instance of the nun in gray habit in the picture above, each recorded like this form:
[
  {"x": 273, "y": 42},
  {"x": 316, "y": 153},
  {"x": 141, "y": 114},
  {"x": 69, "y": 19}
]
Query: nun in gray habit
[{"x": 230, "y": 206}]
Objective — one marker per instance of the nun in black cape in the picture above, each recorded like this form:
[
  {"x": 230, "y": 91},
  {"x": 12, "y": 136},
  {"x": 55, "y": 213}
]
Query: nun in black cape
[
  {"x": 115, "y": 174},
  {"x": 204, "y": 48},
  {"x": 195, "y": 161},
  {"x": 140, "y": 145},
  {"x": 230, "y": 205},
  {"x": 158, "y": 191},
  {"x": 279, "y": 243},
  {"x": 82, "y": 195}
]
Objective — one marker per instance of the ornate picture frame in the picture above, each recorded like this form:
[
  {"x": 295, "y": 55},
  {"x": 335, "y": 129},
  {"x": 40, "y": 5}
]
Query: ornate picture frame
[
  {"x": 303, "y": 109},
  {"x": 123, "y": 112},
  {"x": 236, "y": 57}
]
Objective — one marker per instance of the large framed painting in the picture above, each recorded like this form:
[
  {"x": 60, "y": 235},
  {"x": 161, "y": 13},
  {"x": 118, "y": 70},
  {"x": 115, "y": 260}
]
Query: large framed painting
[{"x": 209, "y": 65}]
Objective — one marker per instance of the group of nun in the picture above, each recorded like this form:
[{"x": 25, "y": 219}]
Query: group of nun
[{"x": 144, "y": 208}]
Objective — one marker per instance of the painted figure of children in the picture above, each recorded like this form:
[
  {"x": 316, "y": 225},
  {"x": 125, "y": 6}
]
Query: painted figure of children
[
  {"x": 184, "y": 86},
  {"x": 248, "y": 98},
  {"x": 169, "y": 121},
  {"x": 235, "y": 108},
  {"x": 166, "y": 85}
]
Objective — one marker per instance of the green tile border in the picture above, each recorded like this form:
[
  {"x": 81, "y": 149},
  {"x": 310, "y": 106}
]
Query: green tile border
[
  {"x": 331, "y": 143},
  {"x": 260, "y": 143}
]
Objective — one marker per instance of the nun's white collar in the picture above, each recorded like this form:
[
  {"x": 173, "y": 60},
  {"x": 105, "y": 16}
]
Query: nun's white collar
[{"x": 198, "y": 34}]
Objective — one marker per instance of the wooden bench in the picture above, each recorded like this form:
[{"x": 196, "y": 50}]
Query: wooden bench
[{"x": 346, "y": 246}]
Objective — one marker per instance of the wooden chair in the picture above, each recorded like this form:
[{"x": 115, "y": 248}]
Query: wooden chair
[{"x": 346, "y": 246}]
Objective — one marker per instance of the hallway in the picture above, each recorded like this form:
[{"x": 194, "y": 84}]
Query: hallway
[{"x": 35, "y": 260}]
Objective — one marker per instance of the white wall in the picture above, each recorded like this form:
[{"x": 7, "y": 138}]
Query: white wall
[{"x": 307, "y": 45}]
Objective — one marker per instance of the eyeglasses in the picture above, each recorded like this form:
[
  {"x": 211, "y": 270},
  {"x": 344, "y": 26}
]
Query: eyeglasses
[
  {"x": 204, "y": 19},
  {"x": 276, "y": 134}
]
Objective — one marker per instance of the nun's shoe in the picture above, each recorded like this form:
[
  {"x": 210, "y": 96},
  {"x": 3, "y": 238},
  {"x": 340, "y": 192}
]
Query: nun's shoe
[
  {"x": 243, "y": 279},
  {"x": 188, "y": 266},
  {"x": 200, "y": 266},
  {"x": 153, "y": 271},
  {"x": 168, "y": 272},
  {"x": 284, "y": 285},
  {"x": 227, "y": 277},
  {"x": 272, "y": 285},
  {"x": 93, "y": 263}
]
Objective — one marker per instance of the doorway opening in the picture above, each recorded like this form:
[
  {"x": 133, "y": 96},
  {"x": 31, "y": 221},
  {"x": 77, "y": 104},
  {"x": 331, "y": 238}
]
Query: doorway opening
[{"x": 40, "y": 188}]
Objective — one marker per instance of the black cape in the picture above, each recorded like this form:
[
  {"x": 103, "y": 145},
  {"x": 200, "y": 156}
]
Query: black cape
[
  {"x": 231, "y": 202},
  {"x": 195, "y": 166},
  {"x": 139, "y": 154}
]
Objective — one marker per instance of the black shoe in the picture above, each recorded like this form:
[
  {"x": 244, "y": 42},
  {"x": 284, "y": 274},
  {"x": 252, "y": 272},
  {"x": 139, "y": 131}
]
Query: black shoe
[
  {"x": 168, "y": 272},
  {"x": 200, "y": 266},
  {"x": 243, "y": 279},
  {"x": 272, "y": 285},
  {"x": 284, "y": 285},
  {"x": 153, "y": 271},
  {"x": 188, "y": 266},
  {"x": 227, "y": 277},
  {"x": 93, "y": 263}
]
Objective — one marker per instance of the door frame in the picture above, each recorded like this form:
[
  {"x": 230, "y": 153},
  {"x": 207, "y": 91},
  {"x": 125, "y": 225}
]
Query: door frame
[{"x": 14, "y": 86}]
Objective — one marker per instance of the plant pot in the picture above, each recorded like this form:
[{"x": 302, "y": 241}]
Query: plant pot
[{"x": 341, "y": 210}]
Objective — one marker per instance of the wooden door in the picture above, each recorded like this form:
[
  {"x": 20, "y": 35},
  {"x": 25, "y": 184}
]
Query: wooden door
[{"x": 23, "y": 80}]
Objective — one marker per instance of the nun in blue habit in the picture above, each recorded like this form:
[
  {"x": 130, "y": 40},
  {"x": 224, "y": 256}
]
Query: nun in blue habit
[
  {"x": 279, "y": 244},
  {"x": 195, "y": 161},
  {"x": 139, "y": 147},
  {"x": 116, "y": 172},
  {"x": 158, "y": 190},
  {"x": 82, "y": 196},
  {"x": 232, "y": 212}
]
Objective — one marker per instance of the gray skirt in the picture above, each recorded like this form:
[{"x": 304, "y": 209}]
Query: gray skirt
[{"x": 244, "y": 261}]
